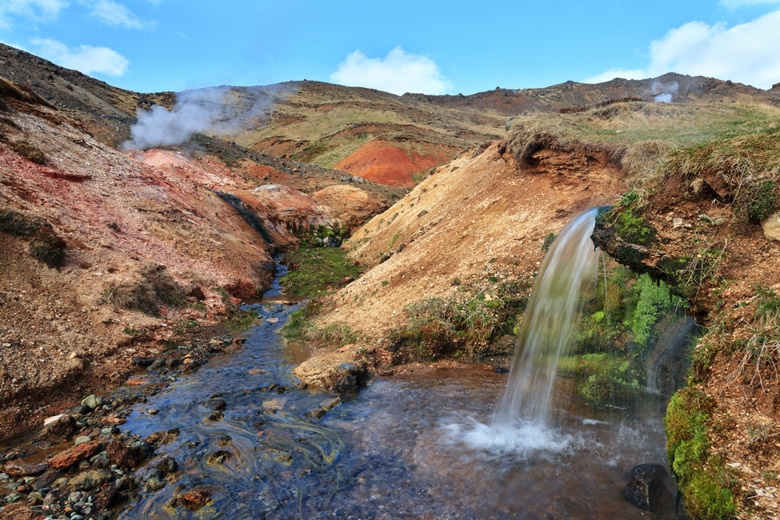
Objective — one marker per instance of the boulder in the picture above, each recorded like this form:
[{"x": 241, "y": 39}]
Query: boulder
[
  {"x": 649, "y": 487},
  {"x": 341, "y": 371}
]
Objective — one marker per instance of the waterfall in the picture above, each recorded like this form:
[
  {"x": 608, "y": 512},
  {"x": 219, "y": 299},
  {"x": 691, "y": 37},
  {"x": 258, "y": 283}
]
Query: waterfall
[{"x": 550, "y": 319}]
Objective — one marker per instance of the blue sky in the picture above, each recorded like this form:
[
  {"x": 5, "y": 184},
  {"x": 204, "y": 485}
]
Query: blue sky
[{"x": 434, "y": 46}]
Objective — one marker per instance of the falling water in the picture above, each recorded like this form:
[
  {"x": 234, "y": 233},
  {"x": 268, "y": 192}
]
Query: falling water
[{"x": 569, "y": 268}]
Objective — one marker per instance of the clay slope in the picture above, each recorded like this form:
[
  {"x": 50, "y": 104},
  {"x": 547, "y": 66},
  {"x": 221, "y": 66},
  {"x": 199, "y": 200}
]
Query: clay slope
[
  {"x": 479, "y": 216},
  {"x": 109, "y": 256}
]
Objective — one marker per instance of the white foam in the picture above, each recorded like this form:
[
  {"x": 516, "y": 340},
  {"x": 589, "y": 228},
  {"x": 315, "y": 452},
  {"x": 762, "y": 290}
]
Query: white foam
[{"x": 522, "y": 439}]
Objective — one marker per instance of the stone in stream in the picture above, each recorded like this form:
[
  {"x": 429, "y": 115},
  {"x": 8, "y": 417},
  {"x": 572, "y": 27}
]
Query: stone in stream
[
  {"x": 90, "y": 480},
  {"x": 215, "y": 404},
  {"x": 92, "y": 402},
  {"x": 58, "y": 427},
  {"x": 648, "y": 487},
  {"x": 70, "y": 456}
]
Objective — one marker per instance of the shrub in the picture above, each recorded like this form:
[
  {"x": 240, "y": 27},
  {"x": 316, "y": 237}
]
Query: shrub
[
  {"x": 47, "y": 247},
  {"x": 19, "y": 225},
  {"x": 153, "y": 287},
  {"x": 29, "y": 151},
  {"x": 757, "y": 201}
]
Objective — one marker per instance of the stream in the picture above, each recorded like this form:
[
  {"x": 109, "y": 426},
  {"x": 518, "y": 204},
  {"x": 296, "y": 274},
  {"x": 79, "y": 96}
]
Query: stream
[{"x": 409, "y": 446}]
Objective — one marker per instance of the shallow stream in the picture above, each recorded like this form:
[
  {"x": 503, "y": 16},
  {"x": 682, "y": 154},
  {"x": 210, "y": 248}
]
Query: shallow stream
[{"x": 412, "y": 446}]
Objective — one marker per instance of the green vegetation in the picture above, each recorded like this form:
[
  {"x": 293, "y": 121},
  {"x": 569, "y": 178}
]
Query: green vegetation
[
  {"x": 619, "y": 327},
  {"x": 639, "y": 134},
  {"x": 749, "y": 165},
  {"x": 548, "y": 241},
  {"x": 241, "y": 320},
  {"x": 605, "y": 378},
  {"x": 759, "y": 354},
  {"x": 300, "y": 327},
  {"x": 468, "y": 324},
  {"x": 706, "y": 484},
  {"x": 315, "y": 271}
]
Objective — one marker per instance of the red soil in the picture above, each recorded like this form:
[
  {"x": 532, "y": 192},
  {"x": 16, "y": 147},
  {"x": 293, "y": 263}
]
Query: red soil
[{"x": 391, "y": 164}]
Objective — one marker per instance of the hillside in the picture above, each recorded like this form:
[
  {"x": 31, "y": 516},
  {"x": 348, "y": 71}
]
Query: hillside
[
  {"x": 112, "y": 253},
  {"x": 701, "y": 179}
]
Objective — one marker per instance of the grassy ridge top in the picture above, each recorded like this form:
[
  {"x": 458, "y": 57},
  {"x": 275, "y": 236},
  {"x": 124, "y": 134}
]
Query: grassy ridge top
[{"x": 641, "y": 134}]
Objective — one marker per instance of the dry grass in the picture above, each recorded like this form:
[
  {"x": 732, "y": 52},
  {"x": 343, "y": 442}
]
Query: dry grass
[{"x": 642, "y": 135}]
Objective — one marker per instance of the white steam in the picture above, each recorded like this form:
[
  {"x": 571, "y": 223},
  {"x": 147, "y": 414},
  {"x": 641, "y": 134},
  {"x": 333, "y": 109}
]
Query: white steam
[
  {"x": 214, "y": 110},
  {"x": 664, "y": 93}
]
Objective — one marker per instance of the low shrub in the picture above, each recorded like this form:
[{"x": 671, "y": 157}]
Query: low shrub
[
  {"x": 147, "y": 292},
  {"x": 47, "y": 247}
]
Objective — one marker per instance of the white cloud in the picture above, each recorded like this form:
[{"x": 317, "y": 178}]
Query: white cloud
[
  {"x": 115, "y": 14},
  {"x": 84, "y": 58},
  {"x": 747, "y": 53},
  {"x": 398, "y": 72},
  {"x": 35, "y": 10}
]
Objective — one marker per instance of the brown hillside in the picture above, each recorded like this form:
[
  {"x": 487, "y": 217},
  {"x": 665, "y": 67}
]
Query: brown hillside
[{"x": 477, "y": 216}]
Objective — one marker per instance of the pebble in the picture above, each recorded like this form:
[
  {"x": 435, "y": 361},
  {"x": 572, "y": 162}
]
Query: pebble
[
  {"x": 81, "y": 439},
  {"x": 92, "y": 402}
]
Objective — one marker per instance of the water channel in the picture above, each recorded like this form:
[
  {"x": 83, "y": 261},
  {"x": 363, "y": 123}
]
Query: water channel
[{"x": 406, "y": 447}]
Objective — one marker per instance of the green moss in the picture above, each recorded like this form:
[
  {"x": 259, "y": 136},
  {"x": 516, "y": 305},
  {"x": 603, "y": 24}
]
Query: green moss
[
  {"x": 633, "y": 227},
  {"x": 548, "y": 241},
  {"x": 241, "y": 320},
  {"x": 317, "y": 270},
  {"x": 606, "y": 378},
  {"x": 703, "y": 479}
]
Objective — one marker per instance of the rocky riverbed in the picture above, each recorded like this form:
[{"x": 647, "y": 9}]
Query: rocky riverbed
[{"x": 80, "y": 464}]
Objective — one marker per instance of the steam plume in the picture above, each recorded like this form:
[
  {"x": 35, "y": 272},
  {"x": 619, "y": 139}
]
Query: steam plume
[
  {"x": 664, "y": 93},
  {"x": 216, "y": 110}
]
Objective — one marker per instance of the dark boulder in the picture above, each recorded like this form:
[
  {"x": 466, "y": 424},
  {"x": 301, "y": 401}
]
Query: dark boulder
[{"x": 649, "y": 487}]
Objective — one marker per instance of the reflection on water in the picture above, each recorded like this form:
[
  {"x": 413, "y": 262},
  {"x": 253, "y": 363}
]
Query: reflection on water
[{"x": 400, "y": 449}]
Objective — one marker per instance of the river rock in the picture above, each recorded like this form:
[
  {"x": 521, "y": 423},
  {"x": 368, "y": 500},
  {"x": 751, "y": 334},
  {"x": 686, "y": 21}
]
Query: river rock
[
  {"x": 648, "y": 487},
  {"x": 90, "y": 480},
  {"x": 341, "y": 371},
  {"x": 350, "y": 377},
  {"x": 194, "y": 499},
  {"x": 92, "y": 402},
  {"x": 126, "y": 456},
  {"x": 215, "y": 404},
  {"x": 73, "y": 455},
  {"x": 58, "y": 427},
  {"x": 18, "y": 468}
]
